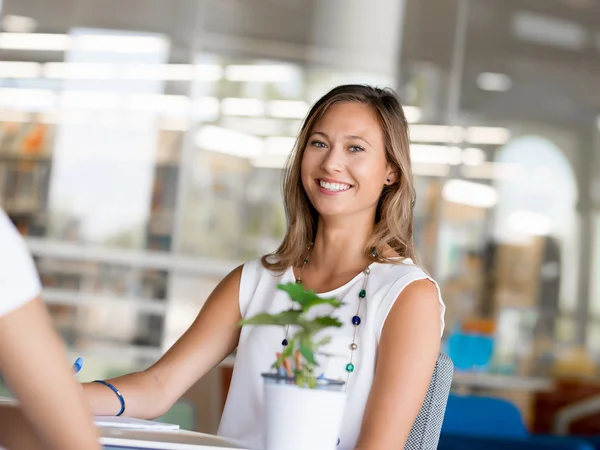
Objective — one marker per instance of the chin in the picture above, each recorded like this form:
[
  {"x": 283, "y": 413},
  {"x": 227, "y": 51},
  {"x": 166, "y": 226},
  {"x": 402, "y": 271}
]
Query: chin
[{"x": 332, "y": 210}]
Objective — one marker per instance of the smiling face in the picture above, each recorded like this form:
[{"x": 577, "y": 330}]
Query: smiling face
[{"x": 344, "y": 165}]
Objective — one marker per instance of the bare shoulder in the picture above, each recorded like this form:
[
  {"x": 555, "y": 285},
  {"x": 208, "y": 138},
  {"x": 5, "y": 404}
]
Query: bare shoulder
[
  {"x": 231, "y": 282},
  {"x": 419, "y": 289},
  {"x": 417, "y": 305},
  {"x": 235, "y": 275}
]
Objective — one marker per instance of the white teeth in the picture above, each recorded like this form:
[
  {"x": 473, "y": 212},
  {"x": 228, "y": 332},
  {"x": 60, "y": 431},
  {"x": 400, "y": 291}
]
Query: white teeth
[{"x": 334, "y": 187}]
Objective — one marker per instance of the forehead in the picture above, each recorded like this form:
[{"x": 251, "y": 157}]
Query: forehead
[{"x": 351, "y": 118}]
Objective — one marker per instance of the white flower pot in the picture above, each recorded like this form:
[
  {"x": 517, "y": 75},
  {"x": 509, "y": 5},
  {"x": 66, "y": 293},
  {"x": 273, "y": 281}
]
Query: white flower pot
[{"x": 301, "y": 418}]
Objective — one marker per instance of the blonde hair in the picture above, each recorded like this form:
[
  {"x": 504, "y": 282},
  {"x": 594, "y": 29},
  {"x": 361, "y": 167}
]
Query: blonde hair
[{"x": 393, "y": 227}]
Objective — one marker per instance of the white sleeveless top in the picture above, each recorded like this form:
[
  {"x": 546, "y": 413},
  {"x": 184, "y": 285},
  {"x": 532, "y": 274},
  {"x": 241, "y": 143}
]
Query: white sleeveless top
[{"x": 242, "y": 418}]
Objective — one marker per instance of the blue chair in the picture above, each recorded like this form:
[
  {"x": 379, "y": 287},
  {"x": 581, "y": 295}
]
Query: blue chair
[
  {"x": 491, "y": 423},
  {"x": 483, "y": 416},
  {"x": 452, "y": 442}
]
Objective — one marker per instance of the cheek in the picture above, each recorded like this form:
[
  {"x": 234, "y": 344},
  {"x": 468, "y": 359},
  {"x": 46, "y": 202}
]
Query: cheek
[
  {"x": 370, "y": 176},
  {"x": 307, "y": 165},
  {"x": 305, "y": 172}
]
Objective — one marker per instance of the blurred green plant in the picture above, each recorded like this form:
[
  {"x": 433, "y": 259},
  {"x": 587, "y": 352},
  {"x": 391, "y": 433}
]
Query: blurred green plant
[{"x": 303, "y": 341}]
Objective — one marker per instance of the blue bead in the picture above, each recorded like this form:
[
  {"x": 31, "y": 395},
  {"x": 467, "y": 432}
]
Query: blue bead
[
  {"x": 356, "y": 320},
  {"x": 284, "y": 342}
]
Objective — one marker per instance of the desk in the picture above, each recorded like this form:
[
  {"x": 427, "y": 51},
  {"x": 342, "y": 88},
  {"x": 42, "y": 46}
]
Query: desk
[
  {"x": 468, "y": 382},
  {"x": 122, "y": 439}
]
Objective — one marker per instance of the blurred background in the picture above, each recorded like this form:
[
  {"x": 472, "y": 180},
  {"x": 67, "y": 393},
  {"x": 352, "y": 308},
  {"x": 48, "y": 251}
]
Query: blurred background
[{"x": 142, "y": 141}]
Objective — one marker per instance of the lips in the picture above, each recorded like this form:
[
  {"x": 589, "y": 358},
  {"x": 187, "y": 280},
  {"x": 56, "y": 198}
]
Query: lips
[{"x": 333, "y": 185}]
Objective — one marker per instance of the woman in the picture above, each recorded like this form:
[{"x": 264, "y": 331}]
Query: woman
[
  {"x": 349, "y": 199},
  {"x": 33, "y": 362}
]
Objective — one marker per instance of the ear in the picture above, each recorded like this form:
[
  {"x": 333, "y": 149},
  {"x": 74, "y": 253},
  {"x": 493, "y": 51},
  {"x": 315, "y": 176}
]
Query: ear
[{"x": 391, "y": 176}]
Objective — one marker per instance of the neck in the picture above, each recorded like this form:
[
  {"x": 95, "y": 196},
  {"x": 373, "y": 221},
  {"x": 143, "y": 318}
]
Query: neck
[{"x": 341, "y": 242}]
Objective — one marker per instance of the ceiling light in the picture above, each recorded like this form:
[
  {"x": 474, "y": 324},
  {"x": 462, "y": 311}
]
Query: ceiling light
[
  {"x": 18, "y": 69},
  {"x": 230, "y": 142},
  {"x": 488, "y": 135},
  {"x": 548, "y": 30},
  {"x": 495, "y": 82},
  {"x": 265, "y": 73},
  {"x": 288, "y": 109},
  {"x": 492, "y": 171},
  {"x": 242, "y": 107},
  {"x": 281, "y": 145},
  {"x": 80, "y": 71},
  {"x": 528, "y": 222},
  {"x": 436, "y": 133},
  {"x": 119, "y": 43},
  {"x": 413, "y": 114},
  {"x": 34, "y": 41},
  {"x": 435, "y": 154},
  {"x": 259, "y": 126},
  {"x": 27, "y": 99},
  {"x": 18, "y": 24},
  {"x": 271, "y": 161},
  {"x": 159, "y": 71},
  {"x": 90, "y": 100},
  {"x": 430, "y": 170},
  {"x": 473, "y": 156},
  {"x": 469, "y": 193},
  {"x": 159, "y": 103}
]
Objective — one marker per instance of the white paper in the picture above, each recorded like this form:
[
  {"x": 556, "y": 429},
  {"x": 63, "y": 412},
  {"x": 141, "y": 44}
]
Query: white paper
[{"x": 132, "y": 423}]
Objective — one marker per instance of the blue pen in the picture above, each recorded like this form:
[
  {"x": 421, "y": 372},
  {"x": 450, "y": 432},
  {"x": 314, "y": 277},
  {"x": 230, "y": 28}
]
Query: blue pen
[{"x": 77, "y": 365}]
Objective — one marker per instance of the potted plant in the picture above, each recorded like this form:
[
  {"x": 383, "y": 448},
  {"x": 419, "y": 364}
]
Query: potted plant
[{"x": 303, "y": 411}]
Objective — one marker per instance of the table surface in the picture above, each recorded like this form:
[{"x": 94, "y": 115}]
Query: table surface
[
  {"x": 122, "y": 439},
  {"x": 499, "y": 381}
]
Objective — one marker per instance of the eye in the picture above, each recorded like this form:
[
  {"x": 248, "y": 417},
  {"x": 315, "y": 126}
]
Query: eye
[
  {"x": 356, "y": 149},
  {"x": 318, "y": 144}
]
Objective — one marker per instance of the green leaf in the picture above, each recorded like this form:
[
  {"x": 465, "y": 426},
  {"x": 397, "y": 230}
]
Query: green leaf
[
  {"x": 289, "y": 317},
  {"x": 307, "y": 299},
  {"x": 308, "y": 354},
  {"x": 326, "y": 340},
  {"x": 328, "y": 321},
  {"x": 320, "y": 323}
]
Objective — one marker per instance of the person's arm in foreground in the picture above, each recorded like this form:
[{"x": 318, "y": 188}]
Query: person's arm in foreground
[
  {"x": 210, "y": 339},
  {"x": 408, "y": 350},
  {"x": 33, "y": 363}
]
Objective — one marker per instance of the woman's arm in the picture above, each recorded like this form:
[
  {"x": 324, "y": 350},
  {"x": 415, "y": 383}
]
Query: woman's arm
[
  {"x": 34, "y": 364},
  {"x": 408, "y": 350},
  {"x": 210, "y": 339}
]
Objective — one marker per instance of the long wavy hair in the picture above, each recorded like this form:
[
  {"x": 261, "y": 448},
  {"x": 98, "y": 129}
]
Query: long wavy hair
[{"x": 393, "y": 227}]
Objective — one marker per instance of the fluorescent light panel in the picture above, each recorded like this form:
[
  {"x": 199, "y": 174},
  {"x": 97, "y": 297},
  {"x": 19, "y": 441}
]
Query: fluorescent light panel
[
  {"x": 19, "y": 69},
  {"x": 494, "y": 82},
  {"x": 261, "y": 73},
  {"x": 469, "y": 193}
]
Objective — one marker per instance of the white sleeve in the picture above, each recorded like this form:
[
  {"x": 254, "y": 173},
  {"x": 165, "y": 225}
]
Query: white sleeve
[
  {"x": 395, "y": 291},
  {"x": 19, "y": 282}
]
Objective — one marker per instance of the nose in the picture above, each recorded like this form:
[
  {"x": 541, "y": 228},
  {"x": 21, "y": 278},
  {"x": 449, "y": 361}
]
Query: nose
[{"x": 333, "y": 160}]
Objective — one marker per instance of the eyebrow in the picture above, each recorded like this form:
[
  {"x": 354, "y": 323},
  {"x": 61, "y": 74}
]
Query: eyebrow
[{"x": 348, "y": 136}]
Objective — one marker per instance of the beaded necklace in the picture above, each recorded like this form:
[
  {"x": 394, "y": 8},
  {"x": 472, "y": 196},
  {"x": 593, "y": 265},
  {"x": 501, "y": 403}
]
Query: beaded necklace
[{"x": 355, "y": 319}]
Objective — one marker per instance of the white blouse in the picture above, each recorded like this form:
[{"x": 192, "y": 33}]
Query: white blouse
[{"x": 242, "y": 418}]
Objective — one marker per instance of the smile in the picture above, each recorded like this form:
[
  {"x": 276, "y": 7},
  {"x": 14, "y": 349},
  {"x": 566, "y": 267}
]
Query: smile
[{"x": 334, "y": 187}]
